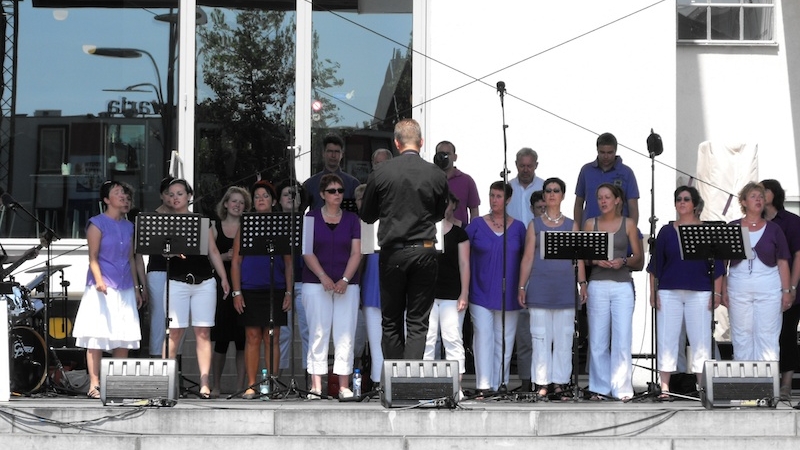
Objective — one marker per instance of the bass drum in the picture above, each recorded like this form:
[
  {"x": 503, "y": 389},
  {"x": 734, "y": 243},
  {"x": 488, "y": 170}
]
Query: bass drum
[{"x": 28, "y": 360}]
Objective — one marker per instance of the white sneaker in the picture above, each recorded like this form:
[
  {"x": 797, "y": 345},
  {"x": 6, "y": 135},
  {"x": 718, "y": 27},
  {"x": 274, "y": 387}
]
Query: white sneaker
[
  {"x": 345, "y": 393},
  {"x": 313, "y": 395}
]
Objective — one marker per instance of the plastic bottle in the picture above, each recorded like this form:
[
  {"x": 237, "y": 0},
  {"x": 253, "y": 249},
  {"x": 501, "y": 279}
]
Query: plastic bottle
[
  {"x": 357, "y": 383},
  {"x": 263, "y": 388}
]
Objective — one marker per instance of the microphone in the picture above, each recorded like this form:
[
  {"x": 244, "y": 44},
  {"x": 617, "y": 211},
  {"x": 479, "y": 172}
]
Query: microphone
[
  {"x": 501, "y": 87},
  {"x": 442, "y": 160},
  {"x": 654, "y": 144},
  {"x": 8, "y": 201}
]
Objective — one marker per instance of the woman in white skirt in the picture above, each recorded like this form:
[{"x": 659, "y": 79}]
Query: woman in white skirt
[{"x": 107, "y": 318}]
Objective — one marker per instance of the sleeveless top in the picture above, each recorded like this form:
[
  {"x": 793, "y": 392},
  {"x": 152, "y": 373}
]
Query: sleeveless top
[
  {"x": 224, "y": 243},
  {"x": 620, "y": 251},
  {"x": 551, "y": 284}
]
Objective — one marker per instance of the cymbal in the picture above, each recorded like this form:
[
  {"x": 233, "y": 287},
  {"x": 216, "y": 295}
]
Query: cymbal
[{"x": 52, "y": 268}]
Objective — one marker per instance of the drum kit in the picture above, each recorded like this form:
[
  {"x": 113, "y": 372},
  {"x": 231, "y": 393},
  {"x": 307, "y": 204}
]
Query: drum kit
[{"x": 28, "y": 327}]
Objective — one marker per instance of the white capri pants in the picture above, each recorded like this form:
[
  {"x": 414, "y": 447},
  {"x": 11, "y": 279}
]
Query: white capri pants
[
  {"x": 679, "y": 306},
  {"x": 446, "y": 317},
  {"x": 330, "y": 314},
  {"x": 551, "y": 337},
  {"x": 487, "y": 344}
]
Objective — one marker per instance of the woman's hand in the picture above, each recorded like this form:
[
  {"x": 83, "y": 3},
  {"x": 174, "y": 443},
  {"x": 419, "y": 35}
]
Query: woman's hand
[
  {"x": 100, "y": 286},
  {"x": 287, "y": 301},
  {"x": 716, "y": 299},
  {"x": 327, "y": 283},
  {"x": 787, "y": 300},
  {"x": 462, "y": 303},
  {"x": 238, "y": 303},
  {"x": 340, "y": 287},
  {"x": 584, "y": 293},
  {"x": 521, "y": 297}
]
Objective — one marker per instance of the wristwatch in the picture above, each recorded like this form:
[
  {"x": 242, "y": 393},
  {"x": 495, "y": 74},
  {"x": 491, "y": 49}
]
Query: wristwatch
[
  {"x": 346, "y": 280},
  {"x": 236, "y": 293}
]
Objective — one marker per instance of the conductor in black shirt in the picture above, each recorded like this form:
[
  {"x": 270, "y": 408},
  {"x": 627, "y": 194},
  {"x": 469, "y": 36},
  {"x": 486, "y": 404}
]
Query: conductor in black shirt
[{"x": 408, "y": 195}]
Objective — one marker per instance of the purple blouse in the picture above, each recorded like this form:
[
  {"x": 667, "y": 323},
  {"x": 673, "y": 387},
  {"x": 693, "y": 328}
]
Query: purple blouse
[
  {"x": 676, "y": 273},
  {"x": 486, "y": 264},
  {"x": 771, "y": 247},
  {"x": 114, "y": 254},
  {"x": 332, "y": 246}
]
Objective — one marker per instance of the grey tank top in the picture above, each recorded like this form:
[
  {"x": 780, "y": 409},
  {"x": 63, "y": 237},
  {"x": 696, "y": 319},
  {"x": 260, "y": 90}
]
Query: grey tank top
[{"x": 620, "y": 250}]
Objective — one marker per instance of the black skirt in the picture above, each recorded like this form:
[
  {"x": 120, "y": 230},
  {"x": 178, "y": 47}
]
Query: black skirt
[{"x": 256, "y": 310}]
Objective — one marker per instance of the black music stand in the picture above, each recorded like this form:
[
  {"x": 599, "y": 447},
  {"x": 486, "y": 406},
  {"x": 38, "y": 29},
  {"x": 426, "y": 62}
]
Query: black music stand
[
  {"x": 712, "y": 242},
  {"x": 273, "y": 233},
  {"x": 576, "y": 245},
  {"x": 170, "y": 235}
]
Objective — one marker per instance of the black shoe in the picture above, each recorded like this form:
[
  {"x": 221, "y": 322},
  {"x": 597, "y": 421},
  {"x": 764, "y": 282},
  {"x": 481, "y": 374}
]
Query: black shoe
[{"x": 527, "y": 386}]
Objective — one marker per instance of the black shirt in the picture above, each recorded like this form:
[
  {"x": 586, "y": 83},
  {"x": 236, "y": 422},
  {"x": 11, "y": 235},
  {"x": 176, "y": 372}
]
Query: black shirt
[
  {"x": 448, "y": 281},
  {"x": 408, "y": 195}
]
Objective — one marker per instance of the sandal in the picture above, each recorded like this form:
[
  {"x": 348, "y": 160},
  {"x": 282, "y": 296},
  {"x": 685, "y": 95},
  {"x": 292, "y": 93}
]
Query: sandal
[
  {"x": 94, "y": 392},
  {"x": 541, "y": 391},
  {"x": 205, "y": 395},
  {"x": 561, "y": 392},
  {"x": 664, "y": 397}
]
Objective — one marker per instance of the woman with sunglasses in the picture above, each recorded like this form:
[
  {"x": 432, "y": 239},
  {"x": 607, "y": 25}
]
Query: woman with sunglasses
[
  {"x": 758, "y": 289},
  {"x": 107, "y": 318},
  {"x": 680, "y": 290},
  {"x": 254, "y": 287},
  {"x": 547, "y": 289},
  {"x": 330, "y": 286},
  {"x": 193, "y": 291},
  {"x": 609, "y": 299}
]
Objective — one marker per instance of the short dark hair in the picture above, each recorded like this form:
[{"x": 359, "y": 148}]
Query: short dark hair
[
  {"x": 498, "y": 186},
  {"x": 778, "y": 194},
  {"x": 693, "y": 193},
  {"x": 328, "y": 179},
  {"x": 299, "y": 192},
  {"x": 332, "y": 139},
  {"x": 537, "y": 196},
  {"x": 446, "y": 144},
  {"x": 165, "y": 183},
  {"x": 105, "y": 189},
  {"x": 557, "y": 181},
  {"x": 607, "y": 139}
]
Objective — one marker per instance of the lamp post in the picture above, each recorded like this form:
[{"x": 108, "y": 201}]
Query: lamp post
[{"x": 166, "y": 103}]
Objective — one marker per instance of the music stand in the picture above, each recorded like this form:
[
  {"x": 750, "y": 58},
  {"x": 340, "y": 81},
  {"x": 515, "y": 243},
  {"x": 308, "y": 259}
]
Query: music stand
[
  {"x": 273, "y": 233},
  {"x": 576, "y": 245},
  {"x": 712, "y": 242},
  {"x": 169, "y": 235}
]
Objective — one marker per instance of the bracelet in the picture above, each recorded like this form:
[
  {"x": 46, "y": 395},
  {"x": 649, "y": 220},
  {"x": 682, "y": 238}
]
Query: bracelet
[
  {"x": 140, "y": 287},
  {"x": 346, "y": 280},
  {"x": 794, "y": 288},
  {"x": 522, "y": 288},
  {"x": 236, "y": 293},
  {"x": 786, "y": 291},
  {"x": 717, "y": 294},
  {"x": 624, "y": 261},
  {"x": 581, "y": 283},
  {"x": 287, "y": 293}
]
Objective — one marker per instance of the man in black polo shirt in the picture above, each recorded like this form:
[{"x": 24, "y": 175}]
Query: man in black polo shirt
[{"x": 408, "y": 195}]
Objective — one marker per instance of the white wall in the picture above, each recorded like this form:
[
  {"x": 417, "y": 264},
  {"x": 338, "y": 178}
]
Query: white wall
[
  {"x": 619, "y": 78},
  {"x": 744, "y": 94}
]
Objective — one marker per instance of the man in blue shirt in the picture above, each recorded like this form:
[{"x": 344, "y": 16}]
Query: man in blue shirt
[
  {"x": 607, "y": 168},
  {"x": 332, "y": 153}
]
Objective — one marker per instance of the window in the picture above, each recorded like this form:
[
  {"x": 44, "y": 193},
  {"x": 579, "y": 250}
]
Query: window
[{"x": 726, "y": 21}]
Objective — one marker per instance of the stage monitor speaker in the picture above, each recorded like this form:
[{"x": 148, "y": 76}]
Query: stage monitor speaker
[
  {"x": 416, "y": 382},
  {"x": 138, "y": 382},
  {"x": 740, "y": 384}
]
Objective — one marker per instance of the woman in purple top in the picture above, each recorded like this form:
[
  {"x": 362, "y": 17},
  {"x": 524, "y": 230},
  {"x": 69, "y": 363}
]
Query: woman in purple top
[
  {"x": 330, "y": 286},
  {"x": 775, "y": 212},
  {"x": 758, "y": 289},
  {"x": 550, "y": 296},
  {"x": 683, "y": 295},
  {"x": 107, "y": 318},
  {"x": 487, "y": 236},
  {"x": 260, "y": 296}
]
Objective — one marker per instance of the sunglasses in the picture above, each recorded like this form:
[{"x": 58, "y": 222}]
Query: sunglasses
[
  {"x": 335, "y": 191},
  {"x": 552, "y": 191},
  {"x": 683, "y": 199}
]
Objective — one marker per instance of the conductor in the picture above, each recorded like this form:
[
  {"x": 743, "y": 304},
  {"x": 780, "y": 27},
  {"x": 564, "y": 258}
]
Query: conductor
[{"x": 408, "y": 195}]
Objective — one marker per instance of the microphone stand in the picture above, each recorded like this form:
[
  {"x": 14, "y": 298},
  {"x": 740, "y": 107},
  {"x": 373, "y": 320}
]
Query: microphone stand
[{"x": 502, "y": 389}]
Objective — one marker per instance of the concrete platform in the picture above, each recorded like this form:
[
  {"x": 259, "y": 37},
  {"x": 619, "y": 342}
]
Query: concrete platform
[{"x": 72, "y": 422}]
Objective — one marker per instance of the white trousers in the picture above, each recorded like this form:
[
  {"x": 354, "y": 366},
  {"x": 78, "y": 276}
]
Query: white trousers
[
  {"x": 330, "y": 315},
  {"x": 680, "y": 306},
  {"x": 756, "y": 317},
  {"x": 372, "y": 320},
  {"x": 446, "y": 318},
  {"x": 551, "y": 337},
  {"x": 487, "y": 341},
  {"x": 302, "y": 325},
  {"x": 609, "y": 310}
]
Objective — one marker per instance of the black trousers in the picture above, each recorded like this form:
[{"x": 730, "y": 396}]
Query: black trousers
[
  {"x": 790, "y": 353},
  {"x": 408, "y": 283}
]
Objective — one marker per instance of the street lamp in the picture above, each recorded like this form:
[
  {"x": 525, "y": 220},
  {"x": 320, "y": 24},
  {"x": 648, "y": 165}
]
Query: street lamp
[{"x": 166, "y": 106}]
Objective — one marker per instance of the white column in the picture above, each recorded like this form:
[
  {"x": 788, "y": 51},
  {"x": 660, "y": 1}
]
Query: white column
[
  {"x": 186, "y": 85},
  {"x": 302, "y": 97}
]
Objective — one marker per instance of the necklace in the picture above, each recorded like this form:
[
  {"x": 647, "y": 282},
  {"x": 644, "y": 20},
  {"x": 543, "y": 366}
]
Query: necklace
[
  {"x": 753, "y": 224},
  {"x": 325, "y": 212},
  {"x": 557, "y": 219},
  {"x": 496, "y": 225}
]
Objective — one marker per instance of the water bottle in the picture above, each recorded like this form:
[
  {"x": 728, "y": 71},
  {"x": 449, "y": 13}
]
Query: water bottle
[
  {"x": 357, "y": 383},
  {"x": 263, "y": 388}
]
